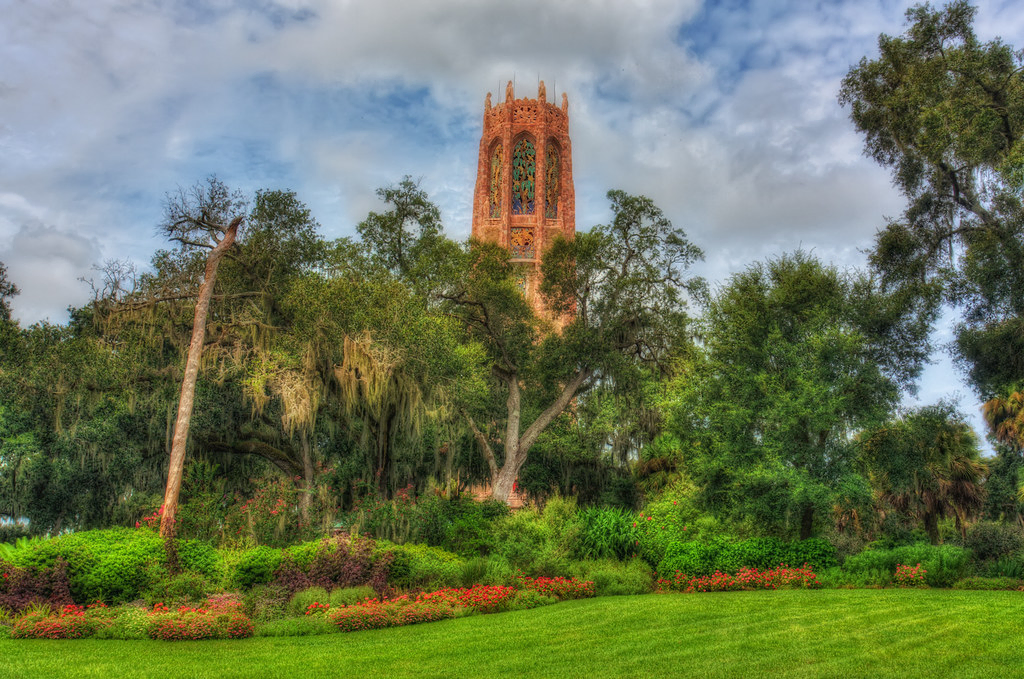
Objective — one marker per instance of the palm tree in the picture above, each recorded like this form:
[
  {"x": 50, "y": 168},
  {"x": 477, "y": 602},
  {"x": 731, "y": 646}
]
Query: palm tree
[{"x": 928, "y": 464}]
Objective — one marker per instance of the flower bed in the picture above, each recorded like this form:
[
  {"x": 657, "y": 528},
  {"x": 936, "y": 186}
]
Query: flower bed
[
  {"x": 559, "y": 588},
  {"x": 782, "y": 577}
]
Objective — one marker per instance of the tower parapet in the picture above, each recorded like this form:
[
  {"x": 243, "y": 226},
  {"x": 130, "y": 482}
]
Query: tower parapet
[{"x": 524, "y": 194}]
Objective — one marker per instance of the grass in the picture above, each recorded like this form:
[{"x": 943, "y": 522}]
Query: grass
[{"x": 829, "y": 633}]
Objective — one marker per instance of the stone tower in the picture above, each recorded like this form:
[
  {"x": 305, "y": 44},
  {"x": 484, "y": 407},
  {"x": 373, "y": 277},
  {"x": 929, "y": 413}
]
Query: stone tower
[{"x": 524, "y": 192}]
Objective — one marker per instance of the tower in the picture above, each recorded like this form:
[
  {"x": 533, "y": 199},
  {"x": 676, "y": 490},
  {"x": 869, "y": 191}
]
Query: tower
[{"x": 524, "y": 192}]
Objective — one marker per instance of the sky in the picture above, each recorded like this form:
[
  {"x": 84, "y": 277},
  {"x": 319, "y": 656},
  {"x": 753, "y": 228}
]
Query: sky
[{"x": 725, "y": 113}]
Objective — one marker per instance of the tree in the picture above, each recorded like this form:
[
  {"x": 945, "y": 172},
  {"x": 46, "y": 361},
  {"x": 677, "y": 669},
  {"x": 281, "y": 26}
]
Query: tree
[
  {"x": 7, "y": 290},
  {"x": 202, "y": 217},
  {"x": 928, "y": 466},
  {"x": 622, "y": 288},
  {"x": 795, "y": 358},
  {"x": 944, "y": 111}
]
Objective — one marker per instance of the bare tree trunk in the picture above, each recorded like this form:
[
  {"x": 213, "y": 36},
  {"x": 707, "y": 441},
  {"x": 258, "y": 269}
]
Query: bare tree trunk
[
  {"x": 806, "y": 521},
  {"x": 188, "y": 382}
]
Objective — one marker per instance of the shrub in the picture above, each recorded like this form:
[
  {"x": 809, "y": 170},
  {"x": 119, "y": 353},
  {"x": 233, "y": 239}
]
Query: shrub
[
  {"x": 746, "y": 579},
  {"x": 991, "y": 540},
  {"x": 301, "y": 601},
  {"x": 24, "y": 587},
  {"x": 559, "y": 588},
  {"x": 266, "y": 602},
  {"x": 201, "y": 557},
  {"x": 528, "y": 598},
  {"x": 296, "y": 627},
  {"x": 256, "y": 567},
  {"x": 360, "y": 617},
  {"x": 945, "y": 564},
  {"x": 349, "y": 596},
  {"x": 1008, "y": 567},
  {"x": 613, "y": 578},
  {"x": 474, "y": 571},
  {"x": 422, "y": 566},
  {"x": 459, "y": 524},
  {"x": 129, "y": 623},
  {"x": 989, "y": 583},
  {"x": 70, "y": 622},
  {"x": 187, "y": 587},
  {"x": 909, "y": 576},
  {"x": 607, "y": 532},
  {"x": 520, "y": 537},
  {"x": 837, "y": 578},
  {"x": 341, "y": 561},
  {"x": 193, "y": 624}
]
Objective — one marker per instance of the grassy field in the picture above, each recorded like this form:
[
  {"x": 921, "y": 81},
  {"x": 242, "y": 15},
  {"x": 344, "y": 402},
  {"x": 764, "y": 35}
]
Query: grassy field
[{"x": 831, "y": 633}]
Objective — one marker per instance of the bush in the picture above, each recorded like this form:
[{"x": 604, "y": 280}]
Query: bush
[
  {"x": 837, "y": 578},
  {"x": 459, "y": 525},
  {"x": 1009, "y": 567},
  {"x": 201, "y": 557},
  {"x": 561, "y": 589},
  {"x": 746, "y": 579},
  {"x": 729, "y": 556},
  {"x": 606, "y": 533},
  {"x": 350, "y": 596},
  {"x": 300, "y": 601},
  {"x": 21, "y": 588},
  {"x": 256, "y": 567},
  {"x": 422, "y": 566},
  {"x": 528, "y": 598},
  {"x": 266, "y": 602},
  {"x": 193, "y": 624},
  {"x": 990, "y": 540},
  {"x": 945, "y": 563},
  {"x": 184, "y": 588},
  {"x": 70, "y": 622},
  {"x": 296, "y": 627},
  {"x": 989, "y": 583},
  {"x": 614, "y": 578},
  {"x": 129, "y": 623}
]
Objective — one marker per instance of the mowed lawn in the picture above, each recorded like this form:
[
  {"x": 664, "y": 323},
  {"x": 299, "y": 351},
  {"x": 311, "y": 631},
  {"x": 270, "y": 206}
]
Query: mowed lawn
[{"x": 860, "y": 633}]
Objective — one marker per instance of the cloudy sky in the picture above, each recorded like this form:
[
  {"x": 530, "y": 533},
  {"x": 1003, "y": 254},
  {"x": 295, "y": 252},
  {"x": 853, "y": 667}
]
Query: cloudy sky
[{"x": 724, "y": 113}]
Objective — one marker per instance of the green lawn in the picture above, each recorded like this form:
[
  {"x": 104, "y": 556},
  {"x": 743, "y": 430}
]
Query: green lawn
[{"x": 830, "y": 633}]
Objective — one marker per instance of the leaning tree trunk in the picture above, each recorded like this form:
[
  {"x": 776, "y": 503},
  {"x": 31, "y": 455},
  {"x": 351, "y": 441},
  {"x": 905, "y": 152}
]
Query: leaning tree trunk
[{"x": 188, "y": 382}]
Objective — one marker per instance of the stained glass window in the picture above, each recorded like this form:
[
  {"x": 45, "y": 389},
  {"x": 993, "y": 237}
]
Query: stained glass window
[
  {"x": 524, "y": 166},
  {"x": 551, "y": 184},
  {"x": 522, "y": 242},
  {"x": 496, "y": 157},
  {"x": 521, "y": 282}
]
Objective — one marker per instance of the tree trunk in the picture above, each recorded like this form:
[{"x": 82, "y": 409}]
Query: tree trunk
[
  {"x": 806, "y": 521},
  {"x": 306, "y": 498},
  {"x": 931, "y": 526},
  {"x": 188, "y": 382},
  {"x": 518, "y": 447}
]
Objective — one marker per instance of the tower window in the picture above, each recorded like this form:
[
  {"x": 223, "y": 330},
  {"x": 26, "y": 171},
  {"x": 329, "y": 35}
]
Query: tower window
[
  {"x": 497, "y": 156},
  {"x": 524, "y": 167},
  {"x": 551, "y": 182}
]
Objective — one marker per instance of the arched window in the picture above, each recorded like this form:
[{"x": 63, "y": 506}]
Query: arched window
[
  {"x": 497, "y": 156},
  {"x": 552, "y": 182},
  {"x": 524, "y": 167}
]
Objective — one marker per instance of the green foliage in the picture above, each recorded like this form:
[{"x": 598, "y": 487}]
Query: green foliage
[
  {"x": 256, "y": 566},
  {"x": 979, "y": 583},
  {"x": 945, "y": 563},
  {"x": 795, "y": 360},
  {"x": 607, "y": 533},
  {"x": 1009, "y": 567},
  {"x": 301, "y": 600},
  {"x": 266, "y": 602},
  {"x": 307, "y": 625},
  {"x": 615, "y": 578},
  {"x": 129, "y": 624},
  {"x": 943, "y": 110},
  {"x": 348, "y": 596},
  {"x": 422, "y": 566},
  {"x": 188, "y": 587},
  {"x": 700, "y": 558},
  {"x": 526, "y": 599},
  {"x": 991, "y": 541}
]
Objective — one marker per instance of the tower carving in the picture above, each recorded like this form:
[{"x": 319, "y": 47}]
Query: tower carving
[{"x": 524, "y": 191}]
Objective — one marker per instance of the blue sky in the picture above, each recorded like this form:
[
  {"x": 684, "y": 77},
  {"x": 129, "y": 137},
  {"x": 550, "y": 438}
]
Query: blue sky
[{"x": 724, "y": 113}]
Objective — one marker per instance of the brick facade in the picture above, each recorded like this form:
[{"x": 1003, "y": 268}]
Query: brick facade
[{"x": 495, "y": 215}]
